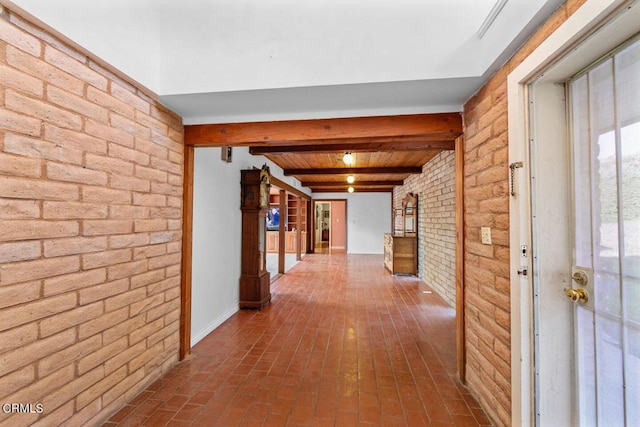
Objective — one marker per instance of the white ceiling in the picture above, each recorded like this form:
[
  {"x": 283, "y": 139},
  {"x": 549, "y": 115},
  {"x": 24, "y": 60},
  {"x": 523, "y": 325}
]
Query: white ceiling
[{"x": 215, "y": 61}]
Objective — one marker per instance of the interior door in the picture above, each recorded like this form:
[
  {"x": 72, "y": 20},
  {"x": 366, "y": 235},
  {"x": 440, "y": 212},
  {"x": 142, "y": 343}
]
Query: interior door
[
  {"x": 605, "y": 112},
  {"x": 338, "y": 229}
]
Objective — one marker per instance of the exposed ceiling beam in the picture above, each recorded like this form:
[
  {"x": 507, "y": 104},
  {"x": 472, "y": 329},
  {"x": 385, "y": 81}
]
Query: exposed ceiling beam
[
  {"x": 439, "y": 126},
  {"x": 338, "y": 171},
  {"x": 313, "y": 184},
  {"x": 355, "y": 146},
  {"x": 357, "y": 190},
  {"x": 278, "y": 183}
]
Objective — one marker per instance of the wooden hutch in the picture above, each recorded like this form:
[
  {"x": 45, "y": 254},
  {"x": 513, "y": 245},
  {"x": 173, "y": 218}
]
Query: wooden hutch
[{"x": 401, "y": 246}]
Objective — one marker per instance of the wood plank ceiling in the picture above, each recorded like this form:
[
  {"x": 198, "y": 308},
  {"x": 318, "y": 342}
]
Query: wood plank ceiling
[{"x": 386, "y": 149}]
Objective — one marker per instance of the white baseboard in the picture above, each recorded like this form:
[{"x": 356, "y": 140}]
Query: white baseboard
[{"x": 213, "y": 325}]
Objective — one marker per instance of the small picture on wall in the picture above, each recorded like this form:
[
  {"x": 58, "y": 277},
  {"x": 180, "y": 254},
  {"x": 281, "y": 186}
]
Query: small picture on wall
[{"x": 326, "y": 214}]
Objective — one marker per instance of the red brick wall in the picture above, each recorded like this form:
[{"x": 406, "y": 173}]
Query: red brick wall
[
  {"x": 435, "y": 188},
  {"x": 487, "y": 275},
  {"x": 90, "y": 217}
]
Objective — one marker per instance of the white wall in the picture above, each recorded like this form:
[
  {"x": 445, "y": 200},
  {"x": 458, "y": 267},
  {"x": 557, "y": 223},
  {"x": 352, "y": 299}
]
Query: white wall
[
  {"x": 217, "y": 234},
  {"x": 124, "y": 33},
  {"x": 368, "y": 218},
  {"x": 252, "y": 60},
  {"x": 229, "y": 45}
]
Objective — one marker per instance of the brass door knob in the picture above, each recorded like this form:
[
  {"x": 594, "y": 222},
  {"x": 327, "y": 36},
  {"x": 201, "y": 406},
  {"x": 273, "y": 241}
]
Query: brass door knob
[{"x": 577, "y": 295}]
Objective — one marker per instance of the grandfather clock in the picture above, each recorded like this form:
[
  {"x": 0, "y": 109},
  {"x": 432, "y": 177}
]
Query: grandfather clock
[{"x": 255, "y": 281}]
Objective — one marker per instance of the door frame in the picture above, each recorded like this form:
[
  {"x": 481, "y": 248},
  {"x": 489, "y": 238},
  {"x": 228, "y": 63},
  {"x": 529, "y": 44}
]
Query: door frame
[
  {"x": 589, "y": 25},
  {"x": 187, "y": 253},
  {"x": 315, "y": 222},
  {"x": 346, "y": 231},
  {"x": 461, "y": 355}
]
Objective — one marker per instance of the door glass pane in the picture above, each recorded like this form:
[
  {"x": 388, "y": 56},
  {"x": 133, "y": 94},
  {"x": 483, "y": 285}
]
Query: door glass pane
[
  {"x": 605, "y": 189},
  {"x": 605, "y": 105},
  {"x": 632, "y": 374},
  {"x": 582, "y": 172},
  {"x": 627, "y": 65},
  {"x": 585, "y": 344},
  {"x": 609, "y": 371}
]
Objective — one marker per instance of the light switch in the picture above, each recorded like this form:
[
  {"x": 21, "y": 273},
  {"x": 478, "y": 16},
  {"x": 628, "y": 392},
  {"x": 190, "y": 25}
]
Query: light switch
[{"x": 485, "y": 233}]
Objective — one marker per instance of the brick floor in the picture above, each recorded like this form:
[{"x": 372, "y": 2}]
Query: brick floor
[{"x": 343, "y": 343}]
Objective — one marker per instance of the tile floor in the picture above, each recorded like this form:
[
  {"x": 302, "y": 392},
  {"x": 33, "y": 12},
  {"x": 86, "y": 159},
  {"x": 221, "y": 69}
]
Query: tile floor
[
  {"x": 272, "y": 263},
  {"x": 343, "y": 343}
]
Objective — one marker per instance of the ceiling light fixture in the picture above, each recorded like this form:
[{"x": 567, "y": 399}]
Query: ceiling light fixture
[
  {"x": 347, "y": 158},
  {"x": 350, "y": 189},
  {"x": 351, "y": 179}
]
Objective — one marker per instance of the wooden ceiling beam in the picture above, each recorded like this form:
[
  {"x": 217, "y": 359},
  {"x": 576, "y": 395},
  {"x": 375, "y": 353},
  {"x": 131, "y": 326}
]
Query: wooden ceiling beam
[
  {"x": 378, "y": 146},
  {"x": 339, "y": 171},
  {"x": 278, "y": 183},
  {"x": 312, "y": 184},
  {"x": 356, "y": 141},
  {"x": 440, "y": 126},
  {"x": 357, "y": 190}
]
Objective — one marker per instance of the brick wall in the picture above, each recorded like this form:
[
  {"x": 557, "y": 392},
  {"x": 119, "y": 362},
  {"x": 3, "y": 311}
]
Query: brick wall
[
  {"x": 487, "y": 275},
  {"x": 435, "y": 188},
  {"x": 90, "y": 220}
]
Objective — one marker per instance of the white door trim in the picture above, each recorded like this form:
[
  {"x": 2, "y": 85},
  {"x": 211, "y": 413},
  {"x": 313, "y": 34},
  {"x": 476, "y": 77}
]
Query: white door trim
[{"x": 585, "y": 21}]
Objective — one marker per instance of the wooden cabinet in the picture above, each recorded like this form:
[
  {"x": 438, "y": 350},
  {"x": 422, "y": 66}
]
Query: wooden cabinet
[
  {"x": 255, "y": 283},
  {"x": 273, "y": 239},
  {"x": 290, "y": 241},
  {"x": 290, "y": 237},
  {"x": 290, "y": 246},
  {"x": 401, "y": 247},
  {"x": 400, "y": 254}
]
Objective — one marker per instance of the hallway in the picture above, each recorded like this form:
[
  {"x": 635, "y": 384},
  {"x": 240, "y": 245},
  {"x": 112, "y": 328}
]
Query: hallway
[{"x": 343, "y": 343}]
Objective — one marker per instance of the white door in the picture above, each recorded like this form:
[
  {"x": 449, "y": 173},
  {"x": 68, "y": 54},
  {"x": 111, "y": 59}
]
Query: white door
[{"x": 604, "y": 104}]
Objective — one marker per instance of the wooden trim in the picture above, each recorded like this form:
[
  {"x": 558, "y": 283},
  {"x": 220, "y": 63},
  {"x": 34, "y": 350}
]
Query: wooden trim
[
  {"x": 298, "y": 229},
  {"x": 346, "y": 226},
  {"x": 392, "y": 226},
  {"x": 355, "y": 145},
  {"x": 187, "y": 254},
  {"x": 357, "y": 190},
  {"x": 410, "y": 198},
  {"x": 346, "y": 220},
  {"x": 281, "y": 231},
  {"x": 310, "y": 230},
  {"x": 439, "y": 126},
  {"x": 460, "y": 310},
  {"x": 283, "y": 185},
  {"x": 323, "y": 184},
  {"x": 339, "y": 171}
]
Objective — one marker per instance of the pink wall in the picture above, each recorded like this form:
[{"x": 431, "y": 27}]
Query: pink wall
[{"x": 338, "y": 226}]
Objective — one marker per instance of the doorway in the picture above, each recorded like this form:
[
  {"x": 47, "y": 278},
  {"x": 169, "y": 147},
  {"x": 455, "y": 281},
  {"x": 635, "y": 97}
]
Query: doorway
[
  {"x": 575, "y": 358},
  {"x": 330, "y": 226},
  {"x": 604, "y": 102},
  {"x": 322, "y": 227}
]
